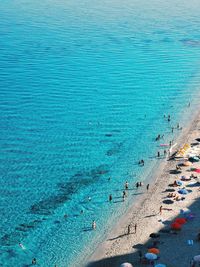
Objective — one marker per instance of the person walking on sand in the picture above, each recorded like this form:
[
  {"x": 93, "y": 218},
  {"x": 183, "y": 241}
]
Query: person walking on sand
[
  {"x": 126, "y": 185},
  {"x": 147, "y": 187},
  {"x": 160, "y": 210},
  {"x": 110, "y": 198},
  {"x": 129, "y": 229},
  {"x": 135, "y": 228},
  {"x": 94, "y": 225}
]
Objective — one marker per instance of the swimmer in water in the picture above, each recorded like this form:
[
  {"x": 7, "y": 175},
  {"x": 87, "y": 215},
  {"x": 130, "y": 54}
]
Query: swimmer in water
[{"x": 22, "y": 246}]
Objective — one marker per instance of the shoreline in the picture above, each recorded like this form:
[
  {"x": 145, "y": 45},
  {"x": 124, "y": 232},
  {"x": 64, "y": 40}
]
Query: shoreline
[{"x": 117, "y": 242}]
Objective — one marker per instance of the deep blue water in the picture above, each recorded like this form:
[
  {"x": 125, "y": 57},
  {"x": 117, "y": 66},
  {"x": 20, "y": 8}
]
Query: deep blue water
[{"x": 84, "y": 86}]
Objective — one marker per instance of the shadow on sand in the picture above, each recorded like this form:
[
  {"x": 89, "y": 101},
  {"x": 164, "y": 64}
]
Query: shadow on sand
[{"x": 175, "y": 251}]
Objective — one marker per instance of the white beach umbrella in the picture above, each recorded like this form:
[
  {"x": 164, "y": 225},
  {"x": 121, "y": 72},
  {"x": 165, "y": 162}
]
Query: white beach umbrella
[
  {"x": 197, "y": 258},
  {"x": 126, "y": 264},
  {"x": 150, "y": 256}
]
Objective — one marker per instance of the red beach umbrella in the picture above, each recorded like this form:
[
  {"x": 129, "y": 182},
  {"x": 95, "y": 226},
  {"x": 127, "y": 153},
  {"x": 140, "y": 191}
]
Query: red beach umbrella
[
  {"x": 176, "y": 226},
  {"x": 197, "y": 170},
  {"x": 154, "y": 250},
  {"x": 180, "y": 221}
]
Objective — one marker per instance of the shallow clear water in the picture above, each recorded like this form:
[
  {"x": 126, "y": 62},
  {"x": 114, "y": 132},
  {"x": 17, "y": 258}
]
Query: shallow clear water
[{"x": 83, "y": 89}]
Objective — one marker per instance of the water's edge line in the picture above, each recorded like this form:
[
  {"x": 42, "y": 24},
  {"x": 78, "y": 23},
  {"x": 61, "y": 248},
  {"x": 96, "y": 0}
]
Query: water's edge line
[{"x": 140, "y": 200}]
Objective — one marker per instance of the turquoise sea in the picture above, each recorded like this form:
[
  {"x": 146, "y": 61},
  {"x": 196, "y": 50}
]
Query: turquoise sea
[{"x": 84, "y": 86}]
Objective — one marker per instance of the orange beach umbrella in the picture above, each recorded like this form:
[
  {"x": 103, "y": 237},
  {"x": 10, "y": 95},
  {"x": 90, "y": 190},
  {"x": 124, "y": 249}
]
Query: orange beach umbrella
[{"x": 154, "y": 250}]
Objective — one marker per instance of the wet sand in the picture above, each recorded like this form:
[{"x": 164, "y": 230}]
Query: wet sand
[{"x": 174, "y": 249}]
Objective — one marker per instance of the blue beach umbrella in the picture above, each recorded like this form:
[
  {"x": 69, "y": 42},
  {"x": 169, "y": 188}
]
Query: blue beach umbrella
[
  {"x": 151, "y": 256},
  {"x": 160, "y": 265},
  {"x": 183, "y": 191},
  {"x": 178, "y": 182}
]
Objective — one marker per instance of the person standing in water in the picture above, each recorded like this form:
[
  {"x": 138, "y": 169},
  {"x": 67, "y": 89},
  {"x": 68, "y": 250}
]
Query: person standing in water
[
  {"x": 110, "y": 198},
  {"x": 94, "y": 225},
  {"x": 34, "y": 261},
  {"x": 126, "y": 185},
  {"x": 124, "y": 195}
]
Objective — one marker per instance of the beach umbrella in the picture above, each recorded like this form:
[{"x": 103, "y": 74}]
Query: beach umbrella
[
  {"x": 181, "y": 220},
  {"x": 187, "y": 163},
  {"x": 150, "y": 256},
  {"x": 160, "y": 265},
  {"x": 178, "y": 182},
  {"x": 126, "y": 264},
  {"x": 183, "y": 191},
  {"x": 197, "y": 258},
  {"x": 154, "y": 250},
  {"x": 176, "y": 226}
]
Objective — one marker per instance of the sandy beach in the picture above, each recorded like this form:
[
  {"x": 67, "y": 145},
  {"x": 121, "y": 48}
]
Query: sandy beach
[{"x": 175, "y": 248}]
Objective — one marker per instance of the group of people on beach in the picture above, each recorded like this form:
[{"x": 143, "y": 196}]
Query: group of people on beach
[{"x": 138, "y": 184}]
